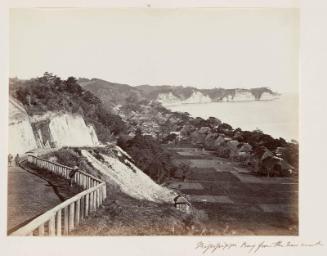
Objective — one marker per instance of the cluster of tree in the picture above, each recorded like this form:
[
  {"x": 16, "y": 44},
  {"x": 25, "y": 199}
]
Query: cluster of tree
[
  {"x": 148, "y": 155},
  {"x": 51, "y": 93},
  {"x": 205, "y": 133},
  {"x": 113, "y": 94}
]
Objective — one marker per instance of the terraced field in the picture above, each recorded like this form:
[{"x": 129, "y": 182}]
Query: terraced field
[{"x": 233, "y": 201}]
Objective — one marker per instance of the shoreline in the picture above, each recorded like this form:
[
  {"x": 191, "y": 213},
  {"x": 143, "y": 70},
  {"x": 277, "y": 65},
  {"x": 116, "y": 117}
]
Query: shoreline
[
  {"x": 273, "y": 119},
  {"x": 231, "y": 101}
]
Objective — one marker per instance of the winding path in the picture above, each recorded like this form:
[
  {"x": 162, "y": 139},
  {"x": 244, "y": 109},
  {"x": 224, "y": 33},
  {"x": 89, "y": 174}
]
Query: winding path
[{"x": 28, "y": 197}]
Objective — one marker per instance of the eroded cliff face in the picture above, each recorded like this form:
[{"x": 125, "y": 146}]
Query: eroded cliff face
[
  {"x": 197, "y": 97},
  {"x": 63, "y": 129},
  {"x": 118, "y": 169},
  {"x": 170, "y": 99},
  {"x": 230, "y": 95},
  {"x": 21, "y": 136},
  {"x": 50, "y": 130}
]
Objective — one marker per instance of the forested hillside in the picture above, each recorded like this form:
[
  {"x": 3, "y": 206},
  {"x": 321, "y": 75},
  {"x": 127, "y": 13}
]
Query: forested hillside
[{"x": 51, "y": 93}]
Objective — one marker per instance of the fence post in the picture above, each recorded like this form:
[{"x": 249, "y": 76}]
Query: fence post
[
  {"x": 95, "y": 200},
  {"x": 75, "y": 178},
  {"x": 67, "y": 218},
  {"x": 104, "y": 191},
  {"x": 87, "y": 202},
  {"x": 82, "y": 207},
  {"x": 78, "y": 210},
  {"x": 41, "y": 230},
  {"x": 59, "y": 223},
  {"x": 66, "y": 221},
  {"x": 91, "y": 201},
  {"x": 52, "y": 228},
  {"x": 84, "y": 182},
  {"x": 71, "y": 216},
  {"x": 98, "y": 197}
]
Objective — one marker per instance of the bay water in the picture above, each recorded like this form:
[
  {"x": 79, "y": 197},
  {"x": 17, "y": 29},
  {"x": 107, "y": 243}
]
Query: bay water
[{"x": 278, "y": 118}]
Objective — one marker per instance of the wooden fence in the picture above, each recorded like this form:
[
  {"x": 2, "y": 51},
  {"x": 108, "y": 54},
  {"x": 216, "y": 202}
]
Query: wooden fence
[{"x": 63, "y": 218}]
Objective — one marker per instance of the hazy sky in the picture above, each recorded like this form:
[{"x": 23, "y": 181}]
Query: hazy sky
[{"x": 199, "y": 47}]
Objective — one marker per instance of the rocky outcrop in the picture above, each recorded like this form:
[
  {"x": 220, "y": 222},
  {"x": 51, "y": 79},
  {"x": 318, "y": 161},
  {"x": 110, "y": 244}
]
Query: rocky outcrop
[
  {"x": 170, "y": 99},
  {"x": 63, "y": 129},
  {"x": 258, "y": 93},
  {"x": 172, "y": 96},
  {"x": 47, "y": 131},
  {"x": 197, "y": 97},
  {"x": 21, "y": 136}
]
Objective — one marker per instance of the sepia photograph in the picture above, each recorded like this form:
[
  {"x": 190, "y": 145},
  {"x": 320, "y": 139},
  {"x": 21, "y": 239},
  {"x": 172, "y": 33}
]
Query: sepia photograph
[
  {"x": 151, "y": 127},
  {"x": 145, "y": 121}
]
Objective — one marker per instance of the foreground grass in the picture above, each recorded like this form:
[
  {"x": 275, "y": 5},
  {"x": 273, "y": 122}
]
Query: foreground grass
[{"x": 122, "y": 215}]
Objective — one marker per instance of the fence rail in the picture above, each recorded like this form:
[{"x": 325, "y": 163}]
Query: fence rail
[{"x": 63, "y": 218}]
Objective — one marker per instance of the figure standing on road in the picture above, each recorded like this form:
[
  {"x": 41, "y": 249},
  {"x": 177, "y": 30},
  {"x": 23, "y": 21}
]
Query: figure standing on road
[
  {"x": 17, "y": 159},
  {"x": 10, "y": 158},
  {"x": 72, "y": 174}
]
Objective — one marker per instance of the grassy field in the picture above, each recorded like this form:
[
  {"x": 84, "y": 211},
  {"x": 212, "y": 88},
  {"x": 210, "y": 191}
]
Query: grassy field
[{"x": 121, "y": 215}]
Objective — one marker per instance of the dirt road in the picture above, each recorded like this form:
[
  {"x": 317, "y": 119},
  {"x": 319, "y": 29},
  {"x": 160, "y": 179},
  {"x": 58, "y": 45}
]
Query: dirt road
[{"x": 28, "y": 197}]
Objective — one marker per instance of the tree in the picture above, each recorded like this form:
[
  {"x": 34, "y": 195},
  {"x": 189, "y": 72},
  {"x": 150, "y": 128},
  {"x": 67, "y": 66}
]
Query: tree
[{"x": 72, "y": 86}]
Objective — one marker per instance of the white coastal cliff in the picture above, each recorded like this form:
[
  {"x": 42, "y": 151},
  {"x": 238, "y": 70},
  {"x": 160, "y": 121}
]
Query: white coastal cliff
[
  {"x": 21, "y": 137},
  {"x": 238, "y": 95},
  {"x": 170, "y": 99},
  {"x": 197, "y": 97},
  {"x": 47, "y": 130},
  {"x": 63, "y": 129}
]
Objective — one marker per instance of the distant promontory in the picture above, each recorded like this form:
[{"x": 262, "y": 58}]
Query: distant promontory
[{"x": 168, "y": 94}]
